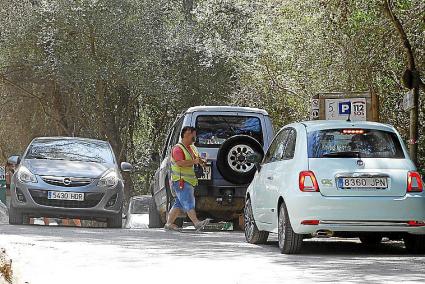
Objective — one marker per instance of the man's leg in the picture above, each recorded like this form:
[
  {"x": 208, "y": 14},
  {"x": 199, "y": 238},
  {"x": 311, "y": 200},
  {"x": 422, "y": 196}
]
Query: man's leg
[
  {"x": 188, "y": 202},
  {"x": 176, "y": 210},
  {"x": 172, "y": 216},
  {"x": 192, "y": 216},
  {"x": 46, "y": 221},
  {"x": 77, "y": 222}
]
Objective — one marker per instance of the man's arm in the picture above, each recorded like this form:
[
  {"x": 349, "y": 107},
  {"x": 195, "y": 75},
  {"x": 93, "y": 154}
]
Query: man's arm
[
  {"x": 187, "y": 163},
  {"x": 178, "y": 156},
  {"x": 201, "y": 161}
]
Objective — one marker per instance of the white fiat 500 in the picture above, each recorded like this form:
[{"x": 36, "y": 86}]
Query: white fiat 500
[{"x": 336, "y": 178}]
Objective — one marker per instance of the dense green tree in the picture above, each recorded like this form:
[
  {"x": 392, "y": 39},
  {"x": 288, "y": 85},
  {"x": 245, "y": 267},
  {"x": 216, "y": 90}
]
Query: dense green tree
[{"x": 122, "y": 70}]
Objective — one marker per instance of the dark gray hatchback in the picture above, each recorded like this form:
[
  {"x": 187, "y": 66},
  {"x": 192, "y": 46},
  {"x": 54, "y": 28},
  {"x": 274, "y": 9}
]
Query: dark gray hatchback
[{"x": 67, "y": 178}]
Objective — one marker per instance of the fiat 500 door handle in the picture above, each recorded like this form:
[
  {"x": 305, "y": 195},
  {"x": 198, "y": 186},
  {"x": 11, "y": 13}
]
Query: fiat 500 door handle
[{"x": 270, "y": 178}]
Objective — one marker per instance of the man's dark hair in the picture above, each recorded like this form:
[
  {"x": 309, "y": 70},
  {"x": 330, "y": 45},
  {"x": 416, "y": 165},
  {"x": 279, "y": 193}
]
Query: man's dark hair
[{"x": 187, "y": 128}]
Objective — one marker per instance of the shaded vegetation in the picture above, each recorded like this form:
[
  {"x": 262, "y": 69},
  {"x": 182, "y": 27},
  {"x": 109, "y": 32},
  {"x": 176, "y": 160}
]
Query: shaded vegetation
[{"x": 121, "y": 70}]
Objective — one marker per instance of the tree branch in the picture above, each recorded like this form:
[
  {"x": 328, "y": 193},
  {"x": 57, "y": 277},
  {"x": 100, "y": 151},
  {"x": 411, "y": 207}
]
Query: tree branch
[
  {"x": 31, "y": 95},
  {"x": 3, "y": 77},
  {"x": 403, "y": 36},
  {"x": 422, "y": 85}
]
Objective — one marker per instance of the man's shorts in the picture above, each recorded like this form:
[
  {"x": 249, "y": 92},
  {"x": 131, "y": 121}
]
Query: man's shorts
[{"x": 185, "y": 197}]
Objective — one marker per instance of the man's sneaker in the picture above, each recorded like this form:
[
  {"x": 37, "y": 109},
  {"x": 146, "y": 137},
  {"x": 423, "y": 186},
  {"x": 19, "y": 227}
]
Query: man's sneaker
[{"x": 201, "y": 225}]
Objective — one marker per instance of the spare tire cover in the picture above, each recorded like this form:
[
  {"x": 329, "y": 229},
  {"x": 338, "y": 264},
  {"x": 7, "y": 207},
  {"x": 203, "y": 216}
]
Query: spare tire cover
[{"x": 231, "y": 158}]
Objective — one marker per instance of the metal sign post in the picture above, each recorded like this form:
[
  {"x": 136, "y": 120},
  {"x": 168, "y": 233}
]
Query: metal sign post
[
  {"x": 2, "y": 185},
  {"x": 408, "y": 101}
]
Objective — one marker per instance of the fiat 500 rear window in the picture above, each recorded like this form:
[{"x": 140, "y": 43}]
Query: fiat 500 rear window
[{"x": 354, "y": 143}]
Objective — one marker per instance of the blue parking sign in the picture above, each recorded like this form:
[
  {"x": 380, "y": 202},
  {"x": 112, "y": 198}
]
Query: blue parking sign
[{"x": 344, "y": 108}]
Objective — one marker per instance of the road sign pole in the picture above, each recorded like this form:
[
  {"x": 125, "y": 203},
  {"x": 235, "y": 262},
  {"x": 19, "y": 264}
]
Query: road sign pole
[{"x": 414, "y": 120}]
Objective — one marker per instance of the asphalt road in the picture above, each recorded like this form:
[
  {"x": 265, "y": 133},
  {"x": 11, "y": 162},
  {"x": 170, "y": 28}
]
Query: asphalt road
[{"x": 95, "y": 255}]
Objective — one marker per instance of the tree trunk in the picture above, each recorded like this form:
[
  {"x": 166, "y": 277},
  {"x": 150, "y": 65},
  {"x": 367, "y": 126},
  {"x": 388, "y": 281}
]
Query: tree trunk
[
  {"x": 60, "y": 109},
  {"x": 416, "y": 81}
]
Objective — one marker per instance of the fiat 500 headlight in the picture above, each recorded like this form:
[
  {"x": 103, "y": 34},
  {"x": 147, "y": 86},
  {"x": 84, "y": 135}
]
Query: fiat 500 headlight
[
  {"x": 25, "y": 176},
  {"x": 109, "y": 179}
]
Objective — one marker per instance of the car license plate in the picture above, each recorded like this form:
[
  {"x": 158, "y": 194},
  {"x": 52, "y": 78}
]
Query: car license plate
[
  {"x": 363, "y": 182},
  {"x": 62, "y": 195},
  {"x": 207, "y": 173}
]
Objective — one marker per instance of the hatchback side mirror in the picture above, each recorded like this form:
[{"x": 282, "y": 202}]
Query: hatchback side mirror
[
  {"x": 14, "y": 160},
  {"x": 255, "y": 159},
  {"x": 126, "y": 167}
]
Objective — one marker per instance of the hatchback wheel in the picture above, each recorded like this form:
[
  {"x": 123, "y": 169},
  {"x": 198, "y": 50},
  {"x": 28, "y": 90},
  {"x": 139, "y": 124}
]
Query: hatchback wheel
[
  {"x": 289, "y": 241},
  {"x": 16, "y": 217},
  {"x": 415, "y": 244},
  {"x": 252, "y": 234},
  {"x": 115, "y": 221}
]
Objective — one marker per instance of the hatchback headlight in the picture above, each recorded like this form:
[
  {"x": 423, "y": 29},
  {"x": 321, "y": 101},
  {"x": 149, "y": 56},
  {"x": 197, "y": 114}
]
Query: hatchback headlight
[
  {"x": 25, "y": 176},
  {"x": 110, "y": 179}
]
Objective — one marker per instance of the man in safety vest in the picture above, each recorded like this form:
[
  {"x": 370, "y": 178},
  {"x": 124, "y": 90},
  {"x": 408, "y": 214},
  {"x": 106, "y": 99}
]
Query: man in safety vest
[{"x": 184, "y": 157}]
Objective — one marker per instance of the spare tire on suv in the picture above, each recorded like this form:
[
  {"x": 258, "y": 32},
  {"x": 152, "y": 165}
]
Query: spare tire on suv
[{"x": 231, "y": 158}]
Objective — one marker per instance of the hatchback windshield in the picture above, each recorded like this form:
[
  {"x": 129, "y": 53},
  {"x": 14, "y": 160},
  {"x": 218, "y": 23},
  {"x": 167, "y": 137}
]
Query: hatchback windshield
[
  {"x": 73, "y": 150},
  {"x": 354, "y": 143},
  {"x": 214, "y": 130}
]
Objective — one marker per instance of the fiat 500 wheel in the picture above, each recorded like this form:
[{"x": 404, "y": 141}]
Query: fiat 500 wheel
[
  {"x": 415, "y": 244},
  {"x": 371, "y": 239},
  {"x": 289, "y": 241},
  {"x": 252, "y": 234}
]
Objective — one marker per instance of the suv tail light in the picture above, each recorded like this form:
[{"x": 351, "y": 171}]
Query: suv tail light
[
  {"x": 414, "y": 182},
  {"x": 308, "y": 181}
]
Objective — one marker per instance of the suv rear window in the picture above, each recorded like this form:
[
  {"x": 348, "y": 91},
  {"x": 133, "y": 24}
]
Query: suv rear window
[
  {"x": 214, "y": 130},
  {"x": 351, "y": 143}
]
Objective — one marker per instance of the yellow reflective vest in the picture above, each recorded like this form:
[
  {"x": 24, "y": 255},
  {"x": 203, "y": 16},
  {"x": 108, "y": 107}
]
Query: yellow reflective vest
[{"x": 185, "y": 173}]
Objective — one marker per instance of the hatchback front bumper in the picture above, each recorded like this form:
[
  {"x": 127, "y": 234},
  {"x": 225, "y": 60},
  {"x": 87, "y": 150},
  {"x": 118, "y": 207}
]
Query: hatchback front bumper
[{"x": 95, "y": 205}]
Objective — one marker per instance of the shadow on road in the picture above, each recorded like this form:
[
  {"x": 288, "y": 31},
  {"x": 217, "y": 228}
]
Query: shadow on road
[{"x": 323, "y": 259}]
